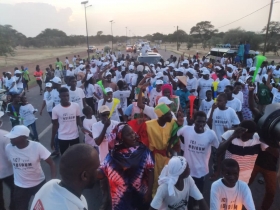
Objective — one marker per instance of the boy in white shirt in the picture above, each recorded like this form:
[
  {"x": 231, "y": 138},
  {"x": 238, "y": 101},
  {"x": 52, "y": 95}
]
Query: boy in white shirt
[
  {"x": 25, "y": 156},
  {"x": 77, "y": 168},
  {"x": 206, "y": 104},
  {"x": 175, "y": 187},
  {"x": 87, "y": 123},
  {"x": 66, "y": 119},
  {"x": 233, "y": 103},
  {"x": 229, "y": 192},
  {"x": 47, "y": 101}
]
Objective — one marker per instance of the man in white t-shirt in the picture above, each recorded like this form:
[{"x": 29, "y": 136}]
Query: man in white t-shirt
[
  {"x": 18, "y": 78},
  {"x": 47, "y": 100},
  {"x": 102, "y": 132},
  {"x": 233, "y": 103},
  {"x": 77, "y": 168},
  {"x": 113, "y": 104},
  {"x": 122, "y": 95},
  {"x": 66, "y": 119},
  {"x": 154, "y": 93},
  {"x": 237, "y": 93},
  {"x": 10, "y": 84},
  {"x": 204, "y": 84},
  {"x": 229, "y": 192},
  {"x": 197, "y": 147},
  {"x": 77, "y": 95},
  {"x": 274, "y": 91},
  {"x": 25, "y": 156},
  {"x": 191, "y": 82},
  {"x": 175, "y": 187},
  {"x": 223, "y": 82}
]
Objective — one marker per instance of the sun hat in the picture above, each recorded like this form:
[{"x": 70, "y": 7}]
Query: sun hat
[
  {"x": 103, "y": 109},
  {"x": 182, "y": 79}
]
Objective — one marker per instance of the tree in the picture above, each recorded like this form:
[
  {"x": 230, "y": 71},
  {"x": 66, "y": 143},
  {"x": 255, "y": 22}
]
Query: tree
[
  {"x": 189, "y": 42},
  {"x": 180, "y": 36},
  {"x": 6, "y": 40},
  {"x": 205, "y": 30},
  {"x": 273, "y": 43},
  {"x": 99, "y": 33}
]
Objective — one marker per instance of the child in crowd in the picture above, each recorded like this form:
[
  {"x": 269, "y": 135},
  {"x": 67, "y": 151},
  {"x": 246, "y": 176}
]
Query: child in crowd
[
  {"x": 47, "y": 101},
  {"x": 87, "y": 124},
  {"x": 26, "y": 113},
  {"x": 207, "y": 103}
]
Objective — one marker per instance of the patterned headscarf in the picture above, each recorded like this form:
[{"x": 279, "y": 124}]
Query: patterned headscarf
[
  {"x": 171, "y": 172},
  {"x": 161, "y": 110},
  {"x": 167, "y": 86}
]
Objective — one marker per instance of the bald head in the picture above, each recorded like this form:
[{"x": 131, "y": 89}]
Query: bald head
[{"x": 77, "y": 160}]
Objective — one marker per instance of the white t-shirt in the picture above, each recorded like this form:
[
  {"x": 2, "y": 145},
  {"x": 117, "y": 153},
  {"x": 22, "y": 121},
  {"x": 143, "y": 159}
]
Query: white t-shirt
[
  {"x": 122, "y": 95},
  {"x": 87, "y": 124},
  {"x": 55, "y": 97},
  {"x": 70, "y": 73},
  {"x": 68, "y": 129},
  {"x": 104, "y": 146},
  {"x": 89, "y": 91},
  {"x": 6, "y": 168},
  {"x": 223, "y": 197},
  {"x": 115, "y": 115},
  {"x": 128, "y": 78},
  {"x": 205, "y": 106},
  {"x": 204, "y": 85},
  {"x": 276, "y": 73},
  {"x": 163, "y": 201},
  {"x": 235, "y": 104},
  {"x": 53, "y": 196},
  {"x": 8, "y": 84},
  {"x": 222, "y": 84},
  {"x": 26, "y": 163},
  {"x": 276, "y": 95},
  {"x": 197, "y": 149},
  {"x": 77, "y": 96},
  {"x": 26, "y": 113},
  {"x": 192, "y": 84},
  {"x": 239, "y": 96},
  {"x": 48, "y": 100},
  {"x": 222, "y": 119},
  {"x": 98, "y": 91},
  {"x": 57, "y": 73},
  {"x": 249, "y": 62},
  {"x": 19, "y": 84},
  {"x": 152, "y": 96}
]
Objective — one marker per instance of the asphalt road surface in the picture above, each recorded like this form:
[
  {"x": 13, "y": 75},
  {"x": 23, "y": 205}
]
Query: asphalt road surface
[{"x": 94, "y": 195}]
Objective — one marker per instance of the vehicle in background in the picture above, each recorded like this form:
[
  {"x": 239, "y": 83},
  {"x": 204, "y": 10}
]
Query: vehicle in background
[
  {"x": 229, "y": 51},
  {"x": 91, "y": 49},
  {"x": 149, "y": 57},
  {"x": 129, "y": 48}
]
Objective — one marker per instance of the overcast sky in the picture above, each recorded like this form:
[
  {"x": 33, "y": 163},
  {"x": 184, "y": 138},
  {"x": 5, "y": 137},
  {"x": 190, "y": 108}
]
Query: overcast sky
[{"x": 141, "y": 17}]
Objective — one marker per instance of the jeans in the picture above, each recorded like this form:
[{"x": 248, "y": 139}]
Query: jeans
[
  {"x": 34, "y": 136},
  {"x": 65, "y": 144},
  {"x": 9, "y": 181},
  {"x": 270, "y": 184},
  {"x": 22, "y": 195}
]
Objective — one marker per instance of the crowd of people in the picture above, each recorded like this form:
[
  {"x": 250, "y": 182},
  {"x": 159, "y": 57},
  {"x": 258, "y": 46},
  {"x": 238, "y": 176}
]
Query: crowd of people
[{"x": 147, "y": 132}]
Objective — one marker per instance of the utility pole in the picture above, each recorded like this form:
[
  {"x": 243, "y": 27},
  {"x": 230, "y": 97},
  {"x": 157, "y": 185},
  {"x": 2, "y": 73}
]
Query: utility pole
[
  {"x": 112, "y": 34},
  {"x": 126, "y": 35},
  {"x": 84, "y": 3},
  {"x": 177, "y": 38},
  {"x": 267, "y": 27}
]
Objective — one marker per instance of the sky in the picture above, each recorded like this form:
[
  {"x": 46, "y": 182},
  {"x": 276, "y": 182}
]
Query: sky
[{"x": 30, "y": 17}]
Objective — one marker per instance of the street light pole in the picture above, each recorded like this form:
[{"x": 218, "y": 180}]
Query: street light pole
[
  {"x": 84, "y": 3},
  {"x": 267, "y": 27},
  {"x": 177, "y": 39},
  {"x": 111, "y": 21},
  {"x": 126, "y": 34}
]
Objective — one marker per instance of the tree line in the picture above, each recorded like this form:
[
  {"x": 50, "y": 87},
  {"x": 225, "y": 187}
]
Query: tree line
[{"x": 203, "y": 32}]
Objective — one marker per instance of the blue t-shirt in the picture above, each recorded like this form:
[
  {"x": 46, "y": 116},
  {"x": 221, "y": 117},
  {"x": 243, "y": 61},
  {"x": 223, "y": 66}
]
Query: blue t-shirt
[{"x": 184, "y": 96}]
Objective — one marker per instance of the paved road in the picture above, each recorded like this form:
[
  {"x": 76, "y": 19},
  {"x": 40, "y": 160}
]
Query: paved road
[{"x": 94, "y": 196}]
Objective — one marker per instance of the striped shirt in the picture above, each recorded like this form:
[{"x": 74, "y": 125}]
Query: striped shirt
[{"x": 245, "y": 153}]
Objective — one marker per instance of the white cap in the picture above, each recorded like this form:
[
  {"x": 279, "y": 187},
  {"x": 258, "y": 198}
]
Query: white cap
[
  {"x": 166, "y": 63},
  {"x": 229, "y": 66},
  {"x": 159, "y": 63},
  {"x": 131, "y": 67},
  {"x": 185, "y": 62},
  {"x": 108, "y": 73},
  {"x": 191, "y": 71},
  {"x": 81, "y": 61},
  {"x": 180, "y": 70},
  {"x": 8, "y": 72},
  {"x": 118, "y": 64},
  {"x": 219, "y": 68},
  {"x": 103, "y": 58},
  {"x": 164, "y": 100},
  {"x": 248, "y": 78},
  {"x": 140, "y": 68},
  {"x": 18, "y": 72},
  {"x": 159, "y": 75},
  {"x": 152, "y": 64},
  {"x": 18, "y": 130},
  {"x": 89, "y": 76},
  {"x": 252, "y": 69},
  {"x": 171, "y": 65},
  {"x": 159, "y": 82},
  {"x": 71, "y": 65},
  {"x": 205, "y": 72},
  {"x": 56, "y": 80},
  {"x": 108, "y": 89},
  {"x": 48, "y": 84},
  {"x": 82, "y": 66},
  {"x": 257, "y": 52}
]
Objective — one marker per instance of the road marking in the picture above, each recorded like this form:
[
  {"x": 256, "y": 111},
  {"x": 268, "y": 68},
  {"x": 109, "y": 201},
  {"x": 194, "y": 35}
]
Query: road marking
[{"x": 45, "y": 131}]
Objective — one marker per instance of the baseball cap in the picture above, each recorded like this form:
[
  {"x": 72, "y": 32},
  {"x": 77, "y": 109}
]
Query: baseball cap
[
  {"x": 81, "y": 62},
  {"x": 56, "y": 80},
  {"x": 57, "y": 65},
  {"x": 252, "y": 69},
  {"x": 103, "y": 109},
  {"x": 108, "y": 73},
  {"x": 185, "y": 62},
  {"x": 159, "y": 82},
  {"x": 140, "y": 68},
  {"x": 229, "y": 66},
  {"x": 191, "y": 71},
  {"x": 108, "y": 89},
  {"x": 48, "y": 84},
  {"x": 71, "y": 66},
  {"x": 205, "y": 72},
  {"x": 164, "y": 100},
  {"x": 18, "y": 72},
  {"x": 166, "y": 63},
  {"x": 18, "y": 130},
  {"x": 159, "y": 75},
  {"x": 159, "y": 63},
  {"x": 8, "y": 72},
  {"x": 118, "y": 64},
  {"x": 219, "y": 68},
  {"x": 171, "y": 65},
  {"x": 82, "y": 66},
  {"x": 152, "y": 64},
  {"x": 180, "y": 70},
  {"x": 131, "y": 67}
]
